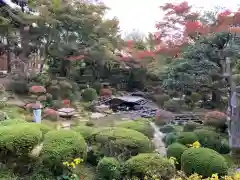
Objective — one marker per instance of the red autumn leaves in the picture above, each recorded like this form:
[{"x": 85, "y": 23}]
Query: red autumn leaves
[{"x": 179, "y": 26}]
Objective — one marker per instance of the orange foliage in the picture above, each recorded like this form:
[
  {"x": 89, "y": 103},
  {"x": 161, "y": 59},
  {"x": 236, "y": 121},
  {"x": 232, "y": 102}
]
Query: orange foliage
[{"x": 179, "y": 26}]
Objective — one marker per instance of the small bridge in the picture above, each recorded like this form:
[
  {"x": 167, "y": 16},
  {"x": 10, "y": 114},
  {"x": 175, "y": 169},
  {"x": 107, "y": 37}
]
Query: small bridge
[{"x": 183, "y": 118}]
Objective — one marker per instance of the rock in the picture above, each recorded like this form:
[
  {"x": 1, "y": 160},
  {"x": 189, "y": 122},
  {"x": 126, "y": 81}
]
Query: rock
[
  {"x": 102, "y": 108},
  {"x": 66, "y": 112},
  {"x": 3, "y": 116},
  {"x": 97, "y": 115}
]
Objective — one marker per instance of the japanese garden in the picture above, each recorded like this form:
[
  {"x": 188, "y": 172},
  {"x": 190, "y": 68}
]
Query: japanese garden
[{"x": 80, "y": 101}]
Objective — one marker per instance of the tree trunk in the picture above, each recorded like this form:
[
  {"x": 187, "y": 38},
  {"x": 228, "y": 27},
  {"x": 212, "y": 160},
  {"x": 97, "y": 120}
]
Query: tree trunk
[{"x": 8, "y": 57}]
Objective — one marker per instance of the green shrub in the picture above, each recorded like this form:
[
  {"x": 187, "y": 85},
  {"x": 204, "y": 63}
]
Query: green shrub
[
  {"x": 109, "y": 168},
  {"x": 167, "y": 129},
  {"x": 203, "y": 161},
  {"x": 176, "y": 150},
  {"x": 212, "y": 140},
  {"x": 172, "y": 105},
  {"x": 140, "y": 126},
  {"x": 85, "y": 131},
  {"x": 12, "y": 122},
  {"x": 89, "y": 94},
  {"x": 187, "y": 138},
  {"x": 19, "y": 86},
  {"x": 60, "y": 146},
  {"x": 170, "y": 138},
  {"x": 120, "y": 142},
  {"x": 190, "y": 126},
  {"x": 19, "y": 139},
  {"x": 146, "y": 163},
  {"x": 195, "y": 97},
  {"x": 97, "y": 86},
  {"x": 160, "y": 99}
]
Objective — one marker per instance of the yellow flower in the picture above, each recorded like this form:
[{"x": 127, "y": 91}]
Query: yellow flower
[
  {"x": 196, "y": 144},
  {"x": 236, "y": 176},
  {"x": 77, "y": 160},
  {"x": 228, "y": 178},
  {"x": 73, "y": 165},
  {"x": 214, "y": 177},
  {"x": 173, "y": 160},
  {"x": 66, "y": 163}
]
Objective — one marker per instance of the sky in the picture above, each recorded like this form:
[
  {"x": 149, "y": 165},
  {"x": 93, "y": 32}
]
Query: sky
[{"x": 141, "y": 15}]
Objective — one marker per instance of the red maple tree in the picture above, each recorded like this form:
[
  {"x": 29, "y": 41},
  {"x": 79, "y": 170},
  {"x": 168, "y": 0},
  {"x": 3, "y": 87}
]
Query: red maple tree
[{"x": 181, "y": 25}]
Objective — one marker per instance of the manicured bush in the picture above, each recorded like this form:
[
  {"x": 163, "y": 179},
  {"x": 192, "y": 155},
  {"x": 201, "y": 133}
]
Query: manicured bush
[
  {"x": 203, "y": 161},
  {"x": 109, "y": 168},
  {"x": 89, "y": 94},
  {"x": 18, "y": 86},
  {"x": 216, "y": 119},
  {"x": 12, "y": 122},
  {"x": 167, "y": 129},
  {"x": 140, "y": 126},
  {"x": 120, "y": 142},
  {"x": 85, "y": 131},
  {"x": 195, "y": 97},
  {"x": 170, "y": 138},
  {"x": 160, "y": 99},
  {"x": 60, "y": 146},
  {"x": 163, "y": 117},
  {"x": 172, "y": 105},
  {"x": 187, "y": 138},
  {"x": 146, "y": 163},
  {"x": 176, "y": 150},
  {"x": 19, "y": 139},
  {"x": 190, "y": 126},
  {"x": 212, "y": 140}
]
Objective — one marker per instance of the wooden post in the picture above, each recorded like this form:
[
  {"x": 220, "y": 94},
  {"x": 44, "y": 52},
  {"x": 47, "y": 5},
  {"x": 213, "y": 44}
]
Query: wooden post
[{"x": 234, "y": 129}]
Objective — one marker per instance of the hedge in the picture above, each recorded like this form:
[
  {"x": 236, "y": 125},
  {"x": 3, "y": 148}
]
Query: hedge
[
  {"x": 187, "y": 138},
  {"x": 140, "y": 126},
  {"x": 203, "y": 161},
  {"x": 60, "y": 146},
  {"x": 109, "y": 168},
  {"x": 149, "y": 164},
  {"x": 116, "y": 141}
]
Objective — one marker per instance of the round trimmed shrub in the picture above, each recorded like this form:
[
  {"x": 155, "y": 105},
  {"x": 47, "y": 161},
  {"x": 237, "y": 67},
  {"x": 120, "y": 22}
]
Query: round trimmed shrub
[
  {"x": 176, "y": 150},
  {"x": 190, "y": 126},
  {"x": 85, "y": 131},
  {"x": 215, "y": 119},
  {"x": 120, "y": 142},
  {"x": 203, "y": 161},
  {"x": 172, "y": 105},
  {"x": 89, "y": 94},
  {"x": 19, "y": 139},
  {"x": 212, "y": 140},
  {"x": 109, "y": 168},
  {"x": 60, "y": 146},
  {"x": 160, "y": 99},
  {"x": 167, "y": 129},
  {"x": 140, "y": 126},
  {"x": 170, "y": 138},
  {"x": 187, "y": 138},
  {"x": 142, "y": 164}
]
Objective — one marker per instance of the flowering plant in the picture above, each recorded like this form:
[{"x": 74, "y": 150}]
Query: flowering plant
[{"x": 70, "y": 169}]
